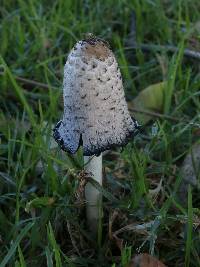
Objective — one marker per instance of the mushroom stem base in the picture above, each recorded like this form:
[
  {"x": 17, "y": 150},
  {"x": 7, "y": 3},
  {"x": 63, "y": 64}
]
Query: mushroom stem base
[{"x": 93, "y": 166}]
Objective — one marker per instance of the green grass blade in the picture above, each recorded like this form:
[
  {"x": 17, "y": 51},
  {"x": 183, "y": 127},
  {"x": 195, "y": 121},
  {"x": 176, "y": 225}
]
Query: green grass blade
[
  {"x": 55, "y": 246},
  {"x": 16, "y": 244},
  {"x": 176, "y": 60},
  {"x": 21, "y": 258},
  {"x": 48, "y": 257},
  {"x": 189, "y": 229},
  {"x": 19, "y": 93}
]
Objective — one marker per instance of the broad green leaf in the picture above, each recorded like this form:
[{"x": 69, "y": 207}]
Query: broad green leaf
[{"x": 150, "y": 99}]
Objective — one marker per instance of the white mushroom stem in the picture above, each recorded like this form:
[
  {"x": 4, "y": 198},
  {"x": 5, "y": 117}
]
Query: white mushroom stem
[{"x": 93, "y": 166}]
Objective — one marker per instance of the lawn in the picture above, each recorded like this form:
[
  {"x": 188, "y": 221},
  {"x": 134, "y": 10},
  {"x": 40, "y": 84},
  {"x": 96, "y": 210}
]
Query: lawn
[{"x": 149, "y": 205}]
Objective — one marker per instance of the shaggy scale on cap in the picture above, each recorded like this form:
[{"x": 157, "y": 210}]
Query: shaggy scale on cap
[{"x": 95, "y": 111}]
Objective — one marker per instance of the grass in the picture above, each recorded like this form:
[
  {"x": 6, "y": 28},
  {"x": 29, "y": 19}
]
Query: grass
[{"x": 42, "y": 221}]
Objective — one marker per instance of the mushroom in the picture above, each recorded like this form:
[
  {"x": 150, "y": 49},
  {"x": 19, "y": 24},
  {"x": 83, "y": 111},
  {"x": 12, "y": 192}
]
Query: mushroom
[{"x": 95, "y": 115}]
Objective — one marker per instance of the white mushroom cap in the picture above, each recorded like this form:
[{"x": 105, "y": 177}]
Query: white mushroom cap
[{"x": 95, "y": 110}]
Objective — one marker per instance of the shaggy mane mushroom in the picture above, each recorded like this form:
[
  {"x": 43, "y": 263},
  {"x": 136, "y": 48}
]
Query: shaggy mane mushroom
[{"x": 95, "y": 111}]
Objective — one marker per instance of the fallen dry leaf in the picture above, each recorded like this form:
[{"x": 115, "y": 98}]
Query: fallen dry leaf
[
  {"x": 189, "y": 172},
  {"x": 145, "y": 260}
]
